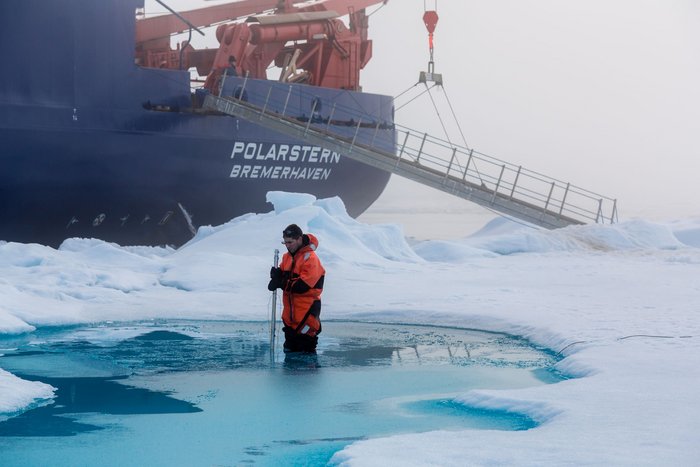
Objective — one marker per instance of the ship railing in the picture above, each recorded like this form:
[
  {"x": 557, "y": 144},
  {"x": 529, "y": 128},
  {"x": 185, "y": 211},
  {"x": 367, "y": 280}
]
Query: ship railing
[
  {"x": 503, "y": 180},
  {"x": 373, "y": 138}
]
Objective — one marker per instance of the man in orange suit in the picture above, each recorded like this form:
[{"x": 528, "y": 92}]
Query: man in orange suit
[{"x": 300, "y": 275}]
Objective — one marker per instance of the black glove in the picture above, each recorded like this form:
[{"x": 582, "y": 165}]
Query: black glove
[
  {"x": 275, "y": 279},
  {"x": 276, "y": 273}
]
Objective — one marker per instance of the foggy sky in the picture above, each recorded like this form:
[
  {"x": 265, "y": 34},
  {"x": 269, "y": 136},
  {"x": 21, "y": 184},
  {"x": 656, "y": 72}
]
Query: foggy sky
[{"x": 603, "y": 94}]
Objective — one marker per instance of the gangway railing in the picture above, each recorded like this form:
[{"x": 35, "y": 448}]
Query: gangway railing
[{"x": 490, "y": 182}]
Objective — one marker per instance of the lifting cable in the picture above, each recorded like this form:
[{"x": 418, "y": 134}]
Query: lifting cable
[
  {"x": 404, "y": 92},
  {"x": 466, "y": 145},
  {"x": 405, "y": 104},
  {"x": 454, "y": 116},
  {"x": 378, "y": 8},
  {"x": 430, "y": 19},
  {"x": 437, "y": 112}
]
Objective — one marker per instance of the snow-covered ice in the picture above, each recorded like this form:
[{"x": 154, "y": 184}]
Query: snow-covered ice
[{"x": 619, "y": 302}]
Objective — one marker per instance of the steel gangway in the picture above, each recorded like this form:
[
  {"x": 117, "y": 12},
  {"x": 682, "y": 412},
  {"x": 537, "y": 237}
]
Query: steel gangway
[{"x": 507, "y": 189}]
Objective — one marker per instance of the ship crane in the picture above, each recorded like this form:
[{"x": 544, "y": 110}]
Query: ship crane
[{"x": 256, "y": 34}]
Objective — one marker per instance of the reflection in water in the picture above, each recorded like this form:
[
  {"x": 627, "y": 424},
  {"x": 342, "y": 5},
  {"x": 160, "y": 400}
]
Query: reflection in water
[
  {"x": 163, "y": 336},
  {"x": 301, "y": 361},
  {"x": 363, "y": 356}
]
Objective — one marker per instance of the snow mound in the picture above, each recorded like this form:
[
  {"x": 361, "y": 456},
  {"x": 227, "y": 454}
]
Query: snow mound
[
  {"x": 449, "y": 252},
  {"x": 10, "y": 324},
  {"x": 283, "y": 201},
  {"x": 502, "y": 236},
  {"x": 19, "y": 395},
  {"x": 341, "y": 238},
  {"x": 687, "y": 232},
  {"x": 514, "y": 238}
]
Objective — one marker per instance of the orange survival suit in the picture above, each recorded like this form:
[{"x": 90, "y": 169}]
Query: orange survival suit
[{"x": 302, "y": 277}]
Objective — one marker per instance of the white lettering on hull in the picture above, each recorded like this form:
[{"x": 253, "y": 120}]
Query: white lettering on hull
[
  {"x": 304, "y": 160},
  {"x": 279, "y": 172}
]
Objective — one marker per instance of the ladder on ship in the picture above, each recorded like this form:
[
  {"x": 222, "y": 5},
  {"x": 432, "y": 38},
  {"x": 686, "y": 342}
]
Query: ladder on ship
[{"x": 509, "y": 190}]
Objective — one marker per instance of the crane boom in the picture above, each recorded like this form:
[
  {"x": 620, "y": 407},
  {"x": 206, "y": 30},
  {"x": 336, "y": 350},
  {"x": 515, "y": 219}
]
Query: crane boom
[
  {"x": 163, "y": 26},
  {"x": 305, "y": 37}
]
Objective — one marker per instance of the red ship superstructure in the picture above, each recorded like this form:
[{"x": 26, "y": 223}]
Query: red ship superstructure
[{"x": 308, "y": 42}]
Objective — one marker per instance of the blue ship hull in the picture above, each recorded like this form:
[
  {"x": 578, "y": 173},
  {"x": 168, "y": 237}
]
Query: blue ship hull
[{"x": 91, "y": 145}]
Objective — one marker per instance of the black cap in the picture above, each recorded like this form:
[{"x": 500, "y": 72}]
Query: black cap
[{"x": 292, "y": 231}]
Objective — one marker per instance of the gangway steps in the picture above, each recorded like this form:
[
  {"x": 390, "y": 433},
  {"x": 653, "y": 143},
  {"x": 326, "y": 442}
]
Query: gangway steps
[{"x": 489, "y": 182}]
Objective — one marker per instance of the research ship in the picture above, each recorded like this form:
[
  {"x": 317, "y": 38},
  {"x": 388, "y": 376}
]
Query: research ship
[{"x": 103, "y": 134}]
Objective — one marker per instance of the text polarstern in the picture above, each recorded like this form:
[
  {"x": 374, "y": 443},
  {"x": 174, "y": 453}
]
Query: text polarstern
[{"x": 295, "y": 153}]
